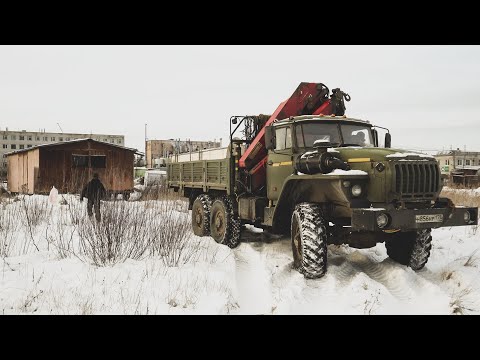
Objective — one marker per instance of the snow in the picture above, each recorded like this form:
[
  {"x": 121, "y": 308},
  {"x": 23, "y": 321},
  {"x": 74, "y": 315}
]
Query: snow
[
  {"x": 347, "y": 172},
  {"x": 330, "y": 150},
  {"x": 255, "y": 278},
  {"x": 404, "y": 155}
]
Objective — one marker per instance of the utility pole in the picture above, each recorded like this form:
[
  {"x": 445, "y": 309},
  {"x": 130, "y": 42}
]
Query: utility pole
[{"x": 146, "y": 146}]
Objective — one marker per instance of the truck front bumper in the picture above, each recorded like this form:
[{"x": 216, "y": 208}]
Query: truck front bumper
[{"x": 368, "y": 219}]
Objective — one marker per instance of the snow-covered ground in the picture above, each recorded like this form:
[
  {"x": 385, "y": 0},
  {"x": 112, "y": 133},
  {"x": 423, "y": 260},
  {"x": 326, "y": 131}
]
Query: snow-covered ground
[{"x": 255, "y": 278}]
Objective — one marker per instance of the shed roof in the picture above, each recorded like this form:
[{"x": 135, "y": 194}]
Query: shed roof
[{"x": 69, "y": 142}]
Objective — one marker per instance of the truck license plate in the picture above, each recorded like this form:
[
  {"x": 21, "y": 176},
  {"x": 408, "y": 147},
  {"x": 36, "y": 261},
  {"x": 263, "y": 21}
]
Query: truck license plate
[{"x": 428, "y": 218}]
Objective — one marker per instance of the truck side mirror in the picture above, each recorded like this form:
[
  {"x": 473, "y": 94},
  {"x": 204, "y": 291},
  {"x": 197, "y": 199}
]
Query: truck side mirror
[
  {"x": 388, "y": 140},
  {"x": 270, "y": 138}
]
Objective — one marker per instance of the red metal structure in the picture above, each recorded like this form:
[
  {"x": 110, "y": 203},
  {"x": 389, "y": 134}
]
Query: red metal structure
[{"x": 307, "y": 99}]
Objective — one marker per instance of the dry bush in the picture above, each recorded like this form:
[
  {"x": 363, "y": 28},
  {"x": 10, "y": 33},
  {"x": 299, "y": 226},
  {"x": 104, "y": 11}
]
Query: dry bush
[
  {"x": 154, "y": 192},
  {"x": 133, "y": 230},
  {"x": 61, "y": 234},
  {"x": 75, "y": 210},
  {"x": 173, "y": 242},
  {"x": 125, "y": 232},
  {"x": 35, "y": 210},
  {"x": 9, "y": 226}
]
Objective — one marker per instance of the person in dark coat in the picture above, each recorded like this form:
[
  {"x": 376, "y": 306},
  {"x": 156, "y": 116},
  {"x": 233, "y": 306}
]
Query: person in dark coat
[{"x": 94, "y": 191}]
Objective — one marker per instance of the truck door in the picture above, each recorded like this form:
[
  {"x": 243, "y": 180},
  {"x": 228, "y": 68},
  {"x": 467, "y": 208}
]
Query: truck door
[{"x": 279, "y": 163}]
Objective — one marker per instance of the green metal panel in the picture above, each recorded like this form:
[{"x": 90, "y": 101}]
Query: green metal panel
[{"x": 205, "y": 174}]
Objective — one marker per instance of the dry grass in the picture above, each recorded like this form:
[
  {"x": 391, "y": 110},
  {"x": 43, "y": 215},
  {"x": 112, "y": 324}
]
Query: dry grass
[
  {"x": 460, "y": 302},
  {"x": 462, "y": 196}
]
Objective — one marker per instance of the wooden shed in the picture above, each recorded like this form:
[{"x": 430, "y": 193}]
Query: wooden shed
[{"x": 69, "y": 166}]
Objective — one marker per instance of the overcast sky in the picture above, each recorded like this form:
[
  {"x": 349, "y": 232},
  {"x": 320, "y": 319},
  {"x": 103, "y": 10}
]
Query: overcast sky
[{"x": 428, "y": 96}]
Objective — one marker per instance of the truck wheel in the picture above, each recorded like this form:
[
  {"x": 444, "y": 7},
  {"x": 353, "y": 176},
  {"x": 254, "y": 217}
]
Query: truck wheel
[
  {"x": 309, "y": 240},
  {"x": 410, "y": 248},
  {"x": 201, "y": 215},
  {"x": 224, "y": 224}
]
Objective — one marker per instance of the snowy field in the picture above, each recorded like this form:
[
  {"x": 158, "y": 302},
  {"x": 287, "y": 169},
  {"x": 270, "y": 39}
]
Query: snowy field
[{"x": 146, "y": 260}]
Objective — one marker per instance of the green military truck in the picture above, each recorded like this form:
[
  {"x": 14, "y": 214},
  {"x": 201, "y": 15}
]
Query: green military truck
[{"x": 324, "y": 179}]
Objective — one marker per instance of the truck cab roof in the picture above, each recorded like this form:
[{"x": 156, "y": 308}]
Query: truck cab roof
[{"x": 302, "y": 118}]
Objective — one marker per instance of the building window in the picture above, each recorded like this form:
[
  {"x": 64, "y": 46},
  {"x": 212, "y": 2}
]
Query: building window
[
  {"x": 13, "y": 146},
  {"x": 29, "y": 146},
  {"x": 29, "y": 138},
  {"x": 98, "y": 161},
  {"x": 14, "y": 137},
  {"x": 473, "y": 162},
  {"x": 105, "y": 140},
  {"x": 52, "y": 138},
  {"x": 60, "y": 139},
  {"x": 68, "y": 139},
  {"x": 467, "y": 162},
  {"x": 5, "y": 137},
  {"x": 459, "y": 162},
  {"x": 94, "y": 161},
  {"x": 21, "y": 137},
  {"x": 112, "y": 141},
  {"x": 45, "y": 138},
  {"x": 37, "y": 138},
  {"x": 21, "y": 146},
  {"x": 119, "y": 141},
  {"x": 4, "y": 146},
  {"x": 79, "y": 161}
]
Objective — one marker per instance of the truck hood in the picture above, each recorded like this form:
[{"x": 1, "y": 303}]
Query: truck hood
[{"x": 377, "y": 154}]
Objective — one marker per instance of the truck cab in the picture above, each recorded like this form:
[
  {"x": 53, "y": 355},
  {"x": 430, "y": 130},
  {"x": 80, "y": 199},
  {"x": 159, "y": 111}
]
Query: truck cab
[{"x": 293, "y": 137}]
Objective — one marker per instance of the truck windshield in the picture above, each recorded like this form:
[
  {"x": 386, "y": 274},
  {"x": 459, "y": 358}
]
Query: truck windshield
[{"x": 353, "y": 135}]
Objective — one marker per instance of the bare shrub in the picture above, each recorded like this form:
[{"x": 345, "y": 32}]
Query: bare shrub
[
  {"x": 36, "y": 210},
  {"x": 173, "y": 242},
  {"x": 75, "y": 210},
  {"x": 125, "y": 232},
  {"x": 154, "y": 192},
  {"x": 8, "y": 230},
  {"x": 61, "y": 234}
]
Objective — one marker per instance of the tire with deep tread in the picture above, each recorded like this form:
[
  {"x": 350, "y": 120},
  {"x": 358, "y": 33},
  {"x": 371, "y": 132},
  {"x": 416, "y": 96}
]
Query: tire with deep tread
[
  {"x": 410, "y": 248},
  {"x": 309, "y": 240},
  {"x": 225, "y": 226},
  {"x": 201, "y": 215}
]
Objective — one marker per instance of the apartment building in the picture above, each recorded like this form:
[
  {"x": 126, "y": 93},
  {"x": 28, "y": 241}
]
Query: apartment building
[
  {"x": 456, "y": 159},
  {"x": 18, "y": 140}
]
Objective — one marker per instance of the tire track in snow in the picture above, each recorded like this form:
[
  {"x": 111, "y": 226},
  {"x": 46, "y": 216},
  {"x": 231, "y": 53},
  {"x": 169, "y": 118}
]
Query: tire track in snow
[
  {"x": 355, "y": 277},
  {"x": 253, "y": 281}
]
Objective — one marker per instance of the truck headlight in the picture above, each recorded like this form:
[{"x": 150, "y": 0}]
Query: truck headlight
[
  {"x": 356, "y": 190},
  {"x": 382, "y": 220},
  {"x": 466, "y": 216}
]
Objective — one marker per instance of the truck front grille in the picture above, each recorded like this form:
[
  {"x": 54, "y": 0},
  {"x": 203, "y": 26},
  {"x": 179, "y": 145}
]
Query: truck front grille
[{"x": 417, "y": 179}]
